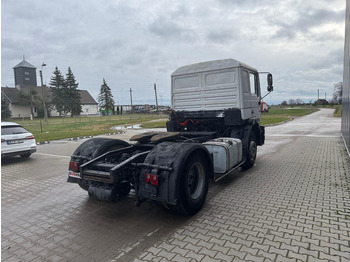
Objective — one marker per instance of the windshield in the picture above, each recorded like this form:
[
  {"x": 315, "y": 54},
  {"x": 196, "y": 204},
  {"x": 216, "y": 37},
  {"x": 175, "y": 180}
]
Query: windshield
[{"x": 10, "y": 130}]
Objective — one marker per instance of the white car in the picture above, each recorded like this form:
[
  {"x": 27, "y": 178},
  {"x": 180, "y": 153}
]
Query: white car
[{"x": 15, "y": 140}]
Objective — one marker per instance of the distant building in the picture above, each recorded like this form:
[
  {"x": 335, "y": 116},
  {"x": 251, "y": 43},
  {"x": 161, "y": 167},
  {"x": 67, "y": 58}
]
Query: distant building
[
  {"x": 145, "y": 108},
  {"x": 321, "y": 102},
  {"x": 25, "y": 81},
  {"x": 135, "y": 108},
  {"x": 25, "y": 74},
  {"x": 19, "y": 110}
]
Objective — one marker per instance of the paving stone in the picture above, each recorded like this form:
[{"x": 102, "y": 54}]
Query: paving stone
[
  {"x": 177, "y": 242},
  {"x": 179, "y": 258},
  {"x": 192, "y": 247},
  {"x": 195, "y": 256},
  {"x": 223, "y": 257},
  {"x": 250, "y": 257},
  {"x": 207, "y": 252},
  {"x": 289, "y": 207},
  {"x": 339, "y": 253},
  {"x": 266, "y": 255},
  {"x": 328, "y": 257},
  {"x": 297, "y": 256}
]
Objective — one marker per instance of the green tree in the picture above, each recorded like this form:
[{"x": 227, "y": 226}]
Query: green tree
[
  {"x": 5, "y": 108},
  {"x": 59, "y": 92},
  {"x": 73, "y": 97},
  {"x": 105, "y": 98}
]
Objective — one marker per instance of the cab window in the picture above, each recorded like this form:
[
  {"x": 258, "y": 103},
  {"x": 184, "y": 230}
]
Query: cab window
[
  {"x": 245, "y": 81},
  {"x": 253, "y": 81}
]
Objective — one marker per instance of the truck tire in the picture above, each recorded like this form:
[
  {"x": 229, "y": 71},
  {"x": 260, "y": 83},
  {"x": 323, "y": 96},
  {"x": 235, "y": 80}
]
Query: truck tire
[
  {"x": 93, "y": 148},
  {"x": 251, "y": 152},
  {"x": 193, "y": 184}
]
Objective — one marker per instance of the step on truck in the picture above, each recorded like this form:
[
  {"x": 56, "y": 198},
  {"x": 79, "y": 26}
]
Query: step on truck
[{"x": 213, "y": 129}]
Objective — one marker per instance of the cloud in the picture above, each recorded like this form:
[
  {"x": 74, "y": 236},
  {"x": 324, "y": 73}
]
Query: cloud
[
  {"x": 134, "y": 43},
  {"x": 304, "y": 21}
]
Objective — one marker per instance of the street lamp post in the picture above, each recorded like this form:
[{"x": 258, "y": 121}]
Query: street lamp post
[
  {"x": 42, "y": 92},
  {"x": 155, "y": 93}
]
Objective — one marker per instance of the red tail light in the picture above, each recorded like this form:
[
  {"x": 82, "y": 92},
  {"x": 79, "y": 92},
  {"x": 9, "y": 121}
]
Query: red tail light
[
  {"x": 74, "y": 166},
  {"x": 153, "y": 179},
  {"x": 29, "y": 137}
]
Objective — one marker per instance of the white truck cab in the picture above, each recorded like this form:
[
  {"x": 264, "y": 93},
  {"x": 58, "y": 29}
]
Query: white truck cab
[{"x": 217, "y": 85}]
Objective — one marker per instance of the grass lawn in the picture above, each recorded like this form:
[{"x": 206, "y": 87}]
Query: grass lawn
[
  {"x": 337, "y": 111},
  {"x": 68, "y": 127},
  {"x": 60, "y": 128},
  {"x": 277, "y": 115}
]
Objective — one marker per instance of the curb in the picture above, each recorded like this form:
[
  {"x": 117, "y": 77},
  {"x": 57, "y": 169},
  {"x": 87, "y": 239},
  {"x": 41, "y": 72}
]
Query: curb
[
  {"x": 80, "y": 137},
  {"x": 43, "y": 142},
  {"x": 110, "y": 134}
]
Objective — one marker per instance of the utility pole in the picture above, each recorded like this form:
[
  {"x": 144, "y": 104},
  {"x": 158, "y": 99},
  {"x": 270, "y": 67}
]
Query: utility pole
[
  {"x": 131, "y": 99},
  {"x": 42, "y": 91},
  {"x": 155, "y": 92},
  {"x": 318, "y": 94}
]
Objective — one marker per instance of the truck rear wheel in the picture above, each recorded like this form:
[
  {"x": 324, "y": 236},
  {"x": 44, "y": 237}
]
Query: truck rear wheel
[
  {"x": 194, "y": 184},
  {"x": 95, "y": 147},
  {"x": 251, "y": 152}
]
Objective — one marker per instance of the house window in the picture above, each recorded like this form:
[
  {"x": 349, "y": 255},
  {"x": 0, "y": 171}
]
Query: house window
[
  {"x": 26, "y": 73},
  {"x": 27, "y": 78}
]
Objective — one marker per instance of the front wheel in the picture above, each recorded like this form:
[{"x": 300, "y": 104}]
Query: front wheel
[
  {"x": 193, "y": 185},
  {"x": 252, "y": 151}
]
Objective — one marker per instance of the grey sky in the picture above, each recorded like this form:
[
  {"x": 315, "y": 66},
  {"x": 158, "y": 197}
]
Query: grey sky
[{"x": 134, "y": 43}]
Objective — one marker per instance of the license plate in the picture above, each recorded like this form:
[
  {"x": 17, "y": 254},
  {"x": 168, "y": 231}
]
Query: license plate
[
  {"x": 74, "y": 174},
  {"x": 18, "y": 141}
]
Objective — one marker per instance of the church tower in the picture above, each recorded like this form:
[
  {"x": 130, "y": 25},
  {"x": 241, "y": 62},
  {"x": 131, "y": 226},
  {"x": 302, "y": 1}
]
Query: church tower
[{"x": 25, "y": 74}]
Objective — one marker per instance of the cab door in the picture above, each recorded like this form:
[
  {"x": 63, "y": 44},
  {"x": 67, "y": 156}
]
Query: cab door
[
  {"x": 246, "y": 95},
  {"x": 255, "y": 94},
  {"x": 251, "y": 94}
]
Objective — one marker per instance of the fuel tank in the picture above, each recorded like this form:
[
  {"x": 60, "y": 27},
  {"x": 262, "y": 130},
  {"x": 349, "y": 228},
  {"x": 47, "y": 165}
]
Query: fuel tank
[{"x": 226, "y": 151}]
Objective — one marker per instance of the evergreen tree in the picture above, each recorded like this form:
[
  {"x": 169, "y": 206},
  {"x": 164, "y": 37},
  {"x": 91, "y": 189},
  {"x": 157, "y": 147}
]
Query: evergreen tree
[
  {"x": 73, "y": 99},
  {"x": 105, "y": 98},
  {"x": 59, "y": 96},
  {"x": 5, "y": 109}
]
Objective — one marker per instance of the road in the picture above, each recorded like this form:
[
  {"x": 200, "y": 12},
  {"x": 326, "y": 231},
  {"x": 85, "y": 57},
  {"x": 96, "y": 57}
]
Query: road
[
  {"x": 44, "y": 218},
  {"x": 321, "y": 123}
]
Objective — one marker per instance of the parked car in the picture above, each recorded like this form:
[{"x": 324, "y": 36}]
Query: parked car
[{"x": 16, "y": 140}]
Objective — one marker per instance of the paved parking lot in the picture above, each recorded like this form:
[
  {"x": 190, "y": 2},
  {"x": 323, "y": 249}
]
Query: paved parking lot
[{"x": 293, "y": 205}]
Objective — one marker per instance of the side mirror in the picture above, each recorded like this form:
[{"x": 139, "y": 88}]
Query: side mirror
[{"x": 269, "y": 82}]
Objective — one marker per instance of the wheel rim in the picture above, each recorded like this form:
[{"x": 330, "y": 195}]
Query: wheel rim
[
  {"x": 252, "y": 150},
  {"x": 195, "y": 182}
]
